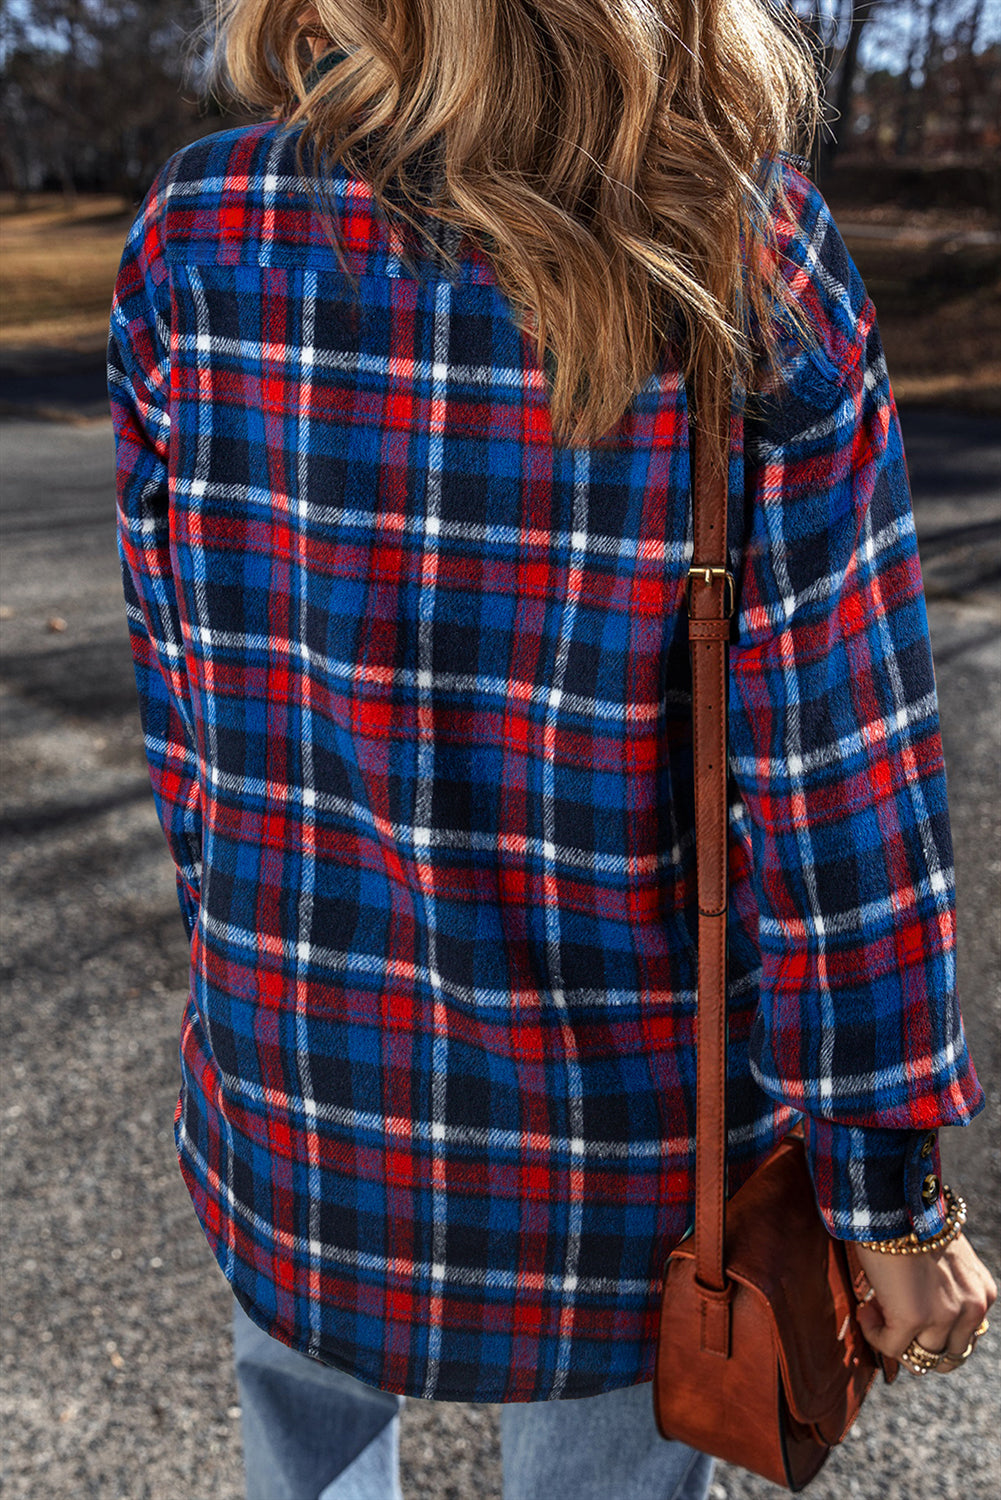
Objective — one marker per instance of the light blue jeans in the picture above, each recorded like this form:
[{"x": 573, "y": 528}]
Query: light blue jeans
[{"x": 311, "y": 1432}]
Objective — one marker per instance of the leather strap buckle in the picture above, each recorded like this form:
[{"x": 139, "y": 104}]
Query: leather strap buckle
[{"x": 705, "y": 573}]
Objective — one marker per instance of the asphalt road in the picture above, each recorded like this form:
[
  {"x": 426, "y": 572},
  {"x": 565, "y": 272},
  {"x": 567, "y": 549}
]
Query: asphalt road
[{"x": 117, "y": 1382}]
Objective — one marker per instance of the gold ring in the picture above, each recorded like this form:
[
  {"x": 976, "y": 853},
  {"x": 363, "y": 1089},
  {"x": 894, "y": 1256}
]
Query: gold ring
[
  {"x": 920, "y": 1360},
  {"x": 957, "y": 1359}
]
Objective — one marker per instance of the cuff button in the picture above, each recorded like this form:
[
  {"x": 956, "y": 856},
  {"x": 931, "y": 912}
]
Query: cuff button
[
  {"x": 929, "y": 1189},
  {"x": 927, "y": 1146}
]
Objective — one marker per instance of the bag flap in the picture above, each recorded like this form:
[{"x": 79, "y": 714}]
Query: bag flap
[{"x": 778, "y": 1248}]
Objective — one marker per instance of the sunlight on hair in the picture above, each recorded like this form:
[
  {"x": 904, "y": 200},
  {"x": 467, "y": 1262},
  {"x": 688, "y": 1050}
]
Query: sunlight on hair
[{"x": 614, "y": 159}]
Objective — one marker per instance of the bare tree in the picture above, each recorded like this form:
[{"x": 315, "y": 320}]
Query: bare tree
[
  {"x": 976, "y": 78},
  {"x": 837, "y": 27},
  {"x": 860, "y": 13},
  {"x": 920, "y": 43},
  {"x": 92, "y": 90}
]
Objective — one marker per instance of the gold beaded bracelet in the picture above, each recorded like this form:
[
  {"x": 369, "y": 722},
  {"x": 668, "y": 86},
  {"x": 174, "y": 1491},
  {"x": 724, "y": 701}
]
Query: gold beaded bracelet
[{"x": 909, "y": 1244}]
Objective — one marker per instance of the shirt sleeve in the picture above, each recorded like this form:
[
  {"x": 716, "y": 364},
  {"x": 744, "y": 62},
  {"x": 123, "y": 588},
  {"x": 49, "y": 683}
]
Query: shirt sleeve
[
  {"x": 138, "y": 387},
  {"x": 837, "y": 758}
]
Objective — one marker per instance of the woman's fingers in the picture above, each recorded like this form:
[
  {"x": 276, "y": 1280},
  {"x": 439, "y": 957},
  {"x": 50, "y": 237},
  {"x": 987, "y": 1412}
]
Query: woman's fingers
[
  {"x": 891, "y": 1328},
  {"x": 873, "y": 1326},
  {"x": 953, "y": 1361},
  {"x": 927, "y": 1312},
  {"x": 951, "y": 1349},
  {"x": 962, "y": 1342},
  {"x": 979, "y": 1294}
]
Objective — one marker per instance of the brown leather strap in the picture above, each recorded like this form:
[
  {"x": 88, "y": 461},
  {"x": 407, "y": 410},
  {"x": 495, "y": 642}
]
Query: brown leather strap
[{"x": 710, "y": 604}]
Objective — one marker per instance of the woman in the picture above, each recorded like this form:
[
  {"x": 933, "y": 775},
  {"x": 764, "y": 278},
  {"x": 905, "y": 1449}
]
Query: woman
[{"x": 400, "y": 384}]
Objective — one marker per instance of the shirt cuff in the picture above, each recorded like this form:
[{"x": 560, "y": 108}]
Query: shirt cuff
[{"x": 875, "y": 1184}]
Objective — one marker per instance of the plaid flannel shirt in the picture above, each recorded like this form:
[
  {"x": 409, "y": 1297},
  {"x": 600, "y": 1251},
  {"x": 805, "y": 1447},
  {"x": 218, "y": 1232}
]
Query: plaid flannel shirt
[{"x": 415, "y": 691}]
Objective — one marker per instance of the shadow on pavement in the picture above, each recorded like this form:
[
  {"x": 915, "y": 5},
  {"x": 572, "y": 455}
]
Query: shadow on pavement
[{"x": 53, "y": 385}]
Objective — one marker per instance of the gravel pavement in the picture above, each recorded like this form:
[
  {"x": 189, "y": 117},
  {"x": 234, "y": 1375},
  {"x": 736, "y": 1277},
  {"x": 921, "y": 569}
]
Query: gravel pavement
[{"x": 117, "y": 1383}]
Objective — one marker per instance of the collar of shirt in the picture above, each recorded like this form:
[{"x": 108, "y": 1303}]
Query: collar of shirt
[{"x": 322, "y": 66}]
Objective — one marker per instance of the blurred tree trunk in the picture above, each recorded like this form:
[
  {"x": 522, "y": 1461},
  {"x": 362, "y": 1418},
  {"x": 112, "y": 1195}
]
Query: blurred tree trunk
[
  {"x": 860, "y": 12},
  {"x": 971, "y": 85},
  {"x": 916, "y": 71},
  {"x": 836, "y": 30},
  {"x": 71, "y": 98}
]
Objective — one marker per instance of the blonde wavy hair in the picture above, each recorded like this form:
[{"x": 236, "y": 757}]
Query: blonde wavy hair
[{"x": 611, "y": 157}]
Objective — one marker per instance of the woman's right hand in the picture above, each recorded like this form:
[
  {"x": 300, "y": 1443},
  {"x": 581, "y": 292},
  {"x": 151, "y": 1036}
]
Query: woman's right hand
[{"x": 939, "y": 1298}]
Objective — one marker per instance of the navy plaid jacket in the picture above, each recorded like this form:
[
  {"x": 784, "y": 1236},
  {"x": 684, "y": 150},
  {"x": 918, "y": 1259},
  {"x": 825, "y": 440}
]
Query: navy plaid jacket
[{"x": 415, "y": 689}]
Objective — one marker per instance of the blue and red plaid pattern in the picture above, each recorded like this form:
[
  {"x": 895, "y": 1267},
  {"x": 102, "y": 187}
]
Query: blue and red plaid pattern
[{"x": 415, "y": 690}]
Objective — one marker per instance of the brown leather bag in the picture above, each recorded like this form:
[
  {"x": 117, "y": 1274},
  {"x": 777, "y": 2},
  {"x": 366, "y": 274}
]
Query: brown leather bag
[{"x": 760, "y": 1360}]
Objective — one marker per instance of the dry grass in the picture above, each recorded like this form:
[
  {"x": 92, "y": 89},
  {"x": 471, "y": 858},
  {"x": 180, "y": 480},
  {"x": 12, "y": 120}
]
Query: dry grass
[
  {"x": 58, "y": 267},
  {"x": 935, "y": 280},
  {"x": 936, "y": 283}
]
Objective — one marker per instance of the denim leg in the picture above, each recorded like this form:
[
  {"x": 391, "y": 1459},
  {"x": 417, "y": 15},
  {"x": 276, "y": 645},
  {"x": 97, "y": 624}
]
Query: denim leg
[
  {"x": 596, "y": 1447},
  {"x": 311, "y": 1432}
]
